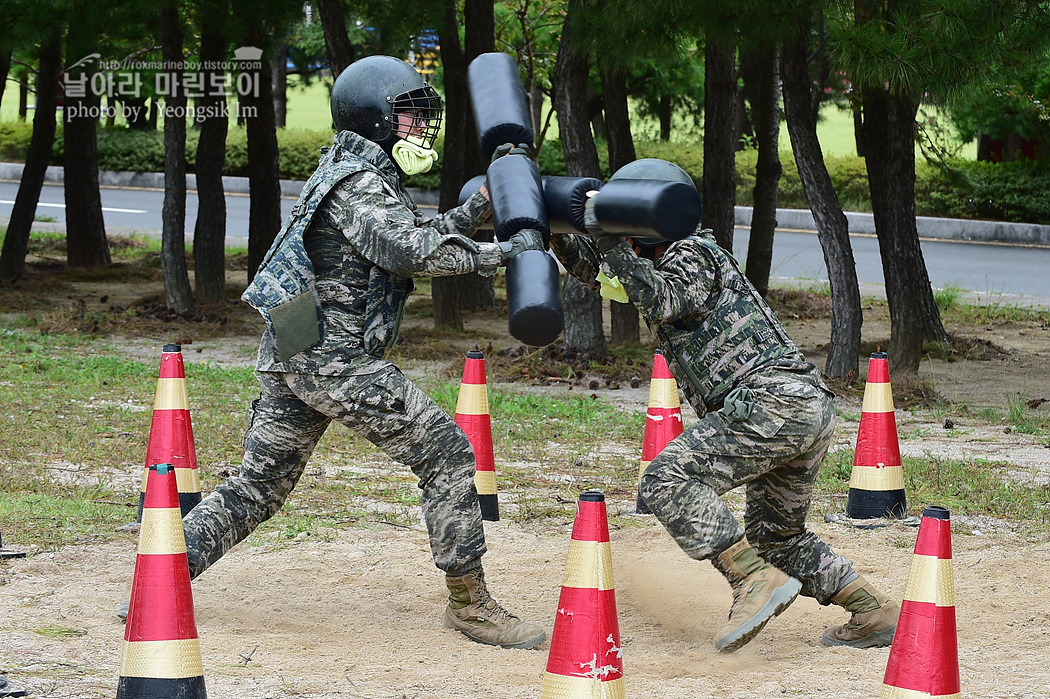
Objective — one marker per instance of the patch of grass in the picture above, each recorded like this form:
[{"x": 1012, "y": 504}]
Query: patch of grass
[
  {"x": 948, "y": 296},
  {"x": 991, "y": 314},
  {"x": 71, "y": 515},
  {"x": 975, "y": 486},
  {"x": 964, "y": 486},
  {"x": 524, "y": 422},
  {"x": 76, "y": 414},
  {"x": 800, "y": 304},
  {"x": 1024, "y": 419}
]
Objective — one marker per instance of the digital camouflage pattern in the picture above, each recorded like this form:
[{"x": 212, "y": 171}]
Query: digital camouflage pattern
[
  {"x": 381, "y": 405},
  {"x": 724, "y": 338},
  {"x": 350, "y": 249},
  {"x": 353, "y": 241}
]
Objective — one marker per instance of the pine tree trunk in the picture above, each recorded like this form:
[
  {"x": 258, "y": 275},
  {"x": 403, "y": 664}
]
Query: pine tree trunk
[
  {"x": 445, "y": 290},
  {"x": 5, "y": 68},
  {"x": 16, "y": 241},
  {"x": 476, "y": 292},
  {"x": 762, "y": 85},
  {"x": 264, "y": 172},
  {"x": 86, "y": 244},
  {"x": 832, "y": 226},
  {"x": 623, "y": 317},
  {"x": 209, "y": 233},
  {"x": 890, "y": 121},
  {"x": 720, "y": 141},
  {"x": 23, "y": 98},
  {"x": 337, "y": 41},
  {"x": 665, "y": 117},
  {"x": 279, "y": 84},
  {"x": 585, "y": 333},
  {"x": 173, "y": 237},
  {"x": 583, "y": 307}
]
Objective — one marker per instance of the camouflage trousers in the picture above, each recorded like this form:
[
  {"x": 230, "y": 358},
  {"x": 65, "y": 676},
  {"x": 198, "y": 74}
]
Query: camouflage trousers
[
  {"x": 775, "y": 453},
  {"x": 286, "y": 422}
]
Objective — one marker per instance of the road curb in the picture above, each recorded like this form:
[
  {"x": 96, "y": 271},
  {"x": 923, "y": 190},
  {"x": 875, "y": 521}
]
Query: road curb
[
  {"x": 155, "y": 180},
  {"x": 959, "y": 229},
  {"x": 956, "y": 229}
]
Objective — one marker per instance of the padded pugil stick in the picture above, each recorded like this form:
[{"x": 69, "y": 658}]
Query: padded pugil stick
[
  {"x": 498, "y": 99},
  {"x": 649, "y": 208}
]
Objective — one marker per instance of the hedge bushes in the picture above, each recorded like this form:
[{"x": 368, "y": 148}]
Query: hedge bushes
[{"x": 1018, "y": 191}]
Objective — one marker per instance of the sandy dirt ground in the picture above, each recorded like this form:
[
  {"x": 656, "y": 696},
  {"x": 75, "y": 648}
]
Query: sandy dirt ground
[{"x": 357, "y": 612}]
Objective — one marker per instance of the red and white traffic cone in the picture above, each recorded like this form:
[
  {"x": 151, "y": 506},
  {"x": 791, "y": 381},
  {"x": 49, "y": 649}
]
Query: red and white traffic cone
[
  {"x": 876, "y": 486},
  {"x": 161, "y": 654},
  {"x": 171, "y": 431},
  {"x": 663, "y": 418},
  {"x": 472, "y": 415},
  {"x": 924, "y": 658},
  {"x": 586, "y": 658}
]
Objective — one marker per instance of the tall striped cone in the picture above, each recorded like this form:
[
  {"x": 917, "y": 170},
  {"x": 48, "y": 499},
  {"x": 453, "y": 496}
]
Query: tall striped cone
[
  {"x": 472, "y": 415},
  {"x": 876, "y": 486},
  {"x": 924, "y": 658},
  {"x": 586, "y": 659},
  {"x": 161, "y": 654},
  {"x": 663, "y": 418},
  {"x": 171, "y": 431}
]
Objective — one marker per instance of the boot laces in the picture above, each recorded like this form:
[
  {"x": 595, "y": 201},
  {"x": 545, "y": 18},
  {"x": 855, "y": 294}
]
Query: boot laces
[
  {"x": 741, "y": 592},
  {"x": 495, "y": 609}
]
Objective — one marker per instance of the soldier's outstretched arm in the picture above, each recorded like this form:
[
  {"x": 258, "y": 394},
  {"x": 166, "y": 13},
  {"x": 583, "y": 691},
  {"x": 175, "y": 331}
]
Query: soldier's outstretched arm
[
  {"x": 384, "y": 231},
  {"x": 579, "y": 255},
  {"x": 678, "y": 285}
]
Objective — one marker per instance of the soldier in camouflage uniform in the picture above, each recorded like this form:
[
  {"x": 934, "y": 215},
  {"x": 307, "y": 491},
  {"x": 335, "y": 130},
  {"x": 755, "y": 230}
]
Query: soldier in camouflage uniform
[
  {"x": 332, "y": 290},
  {"x": 766, "y": 421}
]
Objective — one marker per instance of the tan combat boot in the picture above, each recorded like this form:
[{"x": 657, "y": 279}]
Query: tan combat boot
[
  {"x": 874, "y": 619},
  {"x": 472, "y": 611},
  {"x": 760, "y": 592}
]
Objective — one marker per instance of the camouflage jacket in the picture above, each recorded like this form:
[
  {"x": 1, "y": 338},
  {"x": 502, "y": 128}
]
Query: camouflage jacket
[
  {"x": 715, "y": 329},
  {"x": 333, "y": 285}
]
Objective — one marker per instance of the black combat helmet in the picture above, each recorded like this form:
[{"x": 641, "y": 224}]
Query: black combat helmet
[
  {"x": 368, "y": 94},
  {"x": 652, "y": 169}
]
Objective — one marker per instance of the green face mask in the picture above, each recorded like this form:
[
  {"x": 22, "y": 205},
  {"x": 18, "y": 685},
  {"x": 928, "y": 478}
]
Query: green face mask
[{"x": 412, "y": 156}]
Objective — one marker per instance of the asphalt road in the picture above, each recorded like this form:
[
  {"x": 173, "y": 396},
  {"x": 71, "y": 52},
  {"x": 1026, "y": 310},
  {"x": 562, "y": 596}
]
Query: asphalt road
[
  {"x": 996, "y": 272},
  {"x": 136, "y": 209}
]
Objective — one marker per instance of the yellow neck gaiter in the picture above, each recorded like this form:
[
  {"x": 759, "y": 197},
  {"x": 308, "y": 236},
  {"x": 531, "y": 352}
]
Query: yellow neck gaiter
[{"x": 412, "y": 156}]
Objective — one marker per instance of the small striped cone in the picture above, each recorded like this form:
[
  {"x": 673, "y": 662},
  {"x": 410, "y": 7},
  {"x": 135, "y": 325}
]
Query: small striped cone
[
  {"x": 586, "y": 659},
  {"x": 472, "y": 415},
  {"x": 663, "y": 418},
  {"x": 171, "y": 432},
  {"x": 161, "y": 654},
  {"x": 924, "y": 658},
  {"x": 876, "y": 486}
]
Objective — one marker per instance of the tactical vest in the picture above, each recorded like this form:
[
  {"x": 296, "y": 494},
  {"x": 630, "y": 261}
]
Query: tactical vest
[
  {"x": 736, "y": 335},
  {"x": 284, "y": 288}
]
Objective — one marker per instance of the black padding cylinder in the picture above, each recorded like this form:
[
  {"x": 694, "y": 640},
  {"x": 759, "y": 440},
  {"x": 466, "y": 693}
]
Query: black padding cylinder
[
  {"x": 649, "y": 208},
  {"x": 534, "y": 310},
  {"x": 470, "y": 187},
  {"x": 498, "y": 101},
  {"x": 517, "y": 197},
  {"x": 565, "y": 199}
]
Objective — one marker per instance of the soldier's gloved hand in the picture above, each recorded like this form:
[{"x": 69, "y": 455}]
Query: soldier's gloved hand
[
  {"x": 604, "y": 241},
  {"x": 510, "y": 149},
  {"x": 525, "y": 239}
]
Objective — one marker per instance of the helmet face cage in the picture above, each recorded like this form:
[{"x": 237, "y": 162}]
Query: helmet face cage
[{"x": 423, "y": 105}]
